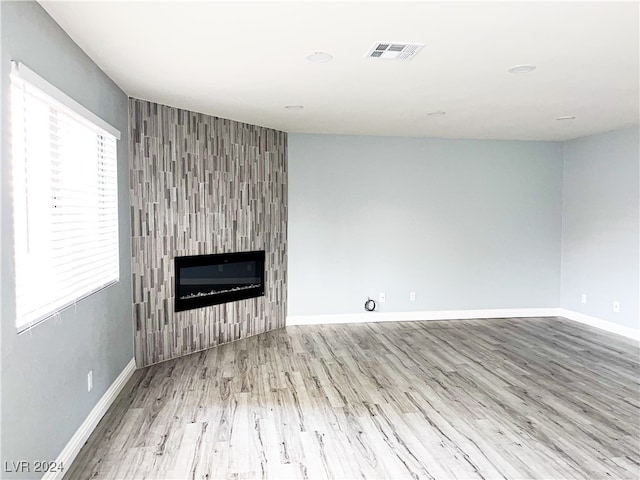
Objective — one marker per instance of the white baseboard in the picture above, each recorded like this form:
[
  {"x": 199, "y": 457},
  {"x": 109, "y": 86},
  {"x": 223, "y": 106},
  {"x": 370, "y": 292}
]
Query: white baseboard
[
  {"x": 71, "y": 450},
  {"x": 365, "y": 317},
  {"x": 606, "y": 325},
  {"x": 420, "y": 316}
]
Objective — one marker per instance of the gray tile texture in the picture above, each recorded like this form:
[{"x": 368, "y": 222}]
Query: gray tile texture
[{"x": 202, "y": 185}]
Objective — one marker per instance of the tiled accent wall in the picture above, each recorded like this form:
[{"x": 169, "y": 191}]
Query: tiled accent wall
[{"x": 202, "y": 185}]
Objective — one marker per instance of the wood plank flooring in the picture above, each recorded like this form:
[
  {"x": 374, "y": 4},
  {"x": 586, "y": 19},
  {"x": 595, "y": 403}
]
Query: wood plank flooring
[{"x": 465, "y": 399}]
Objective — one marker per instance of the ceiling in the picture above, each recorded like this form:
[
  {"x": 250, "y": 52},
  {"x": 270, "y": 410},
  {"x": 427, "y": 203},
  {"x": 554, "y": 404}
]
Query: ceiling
[{"x": 247, "y": 60}]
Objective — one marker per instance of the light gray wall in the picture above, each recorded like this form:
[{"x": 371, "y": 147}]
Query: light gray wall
[
  {"x": 600, "y": 234},
  {"x": 466, "y": 224},
  {"x": 44, "y": 371}
]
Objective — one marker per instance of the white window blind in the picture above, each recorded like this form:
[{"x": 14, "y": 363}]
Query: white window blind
[{"x": 65, "y": 210}]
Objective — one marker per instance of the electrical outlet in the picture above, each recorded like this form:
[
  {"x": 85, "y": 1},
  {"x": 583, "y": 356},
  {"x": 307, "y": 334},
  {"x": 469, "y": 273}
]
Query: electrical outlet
[
  {"x": 583, "y": 298},
  {"x": 382, "y": 297},
  {"x": 412, "y": 296},
  {"x": 616, "y": 307},
  {"x": 90, "y": 381}
]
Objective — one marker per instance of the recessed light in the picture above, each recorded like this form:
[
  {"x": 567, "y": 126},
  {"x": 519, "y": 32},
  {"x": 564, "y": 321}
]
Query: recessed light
[
  {"x": 522, "y": 69},
  {"x": 566, "y": 117},
  {"x": 320, "y": 57},
  {"x": 436, "y": 113},
  {"x": 294, "y": 107}
]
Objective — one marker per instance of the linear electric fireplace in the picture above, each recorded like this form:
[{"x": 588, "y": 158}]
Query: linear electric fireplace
[{"x": 204, "y": 280}]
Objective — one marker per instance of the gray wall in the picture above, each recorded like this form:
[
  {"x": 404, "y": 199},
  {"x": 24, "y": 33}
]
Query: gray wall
[
  {"x": 44, "y": 371},
  {"x": 600, "y": 234},
  {"x": 202, "y": 185},
  {"x": 466, "y": 224}
]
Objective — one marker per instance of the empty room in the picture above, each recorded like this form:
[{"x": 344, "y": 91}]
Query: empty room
[{"x": 320, "y": 240}]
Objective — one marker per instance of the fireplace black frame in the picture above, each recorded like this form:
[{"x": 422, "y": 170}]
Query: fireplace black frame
[{"x": 181, "y": 304}]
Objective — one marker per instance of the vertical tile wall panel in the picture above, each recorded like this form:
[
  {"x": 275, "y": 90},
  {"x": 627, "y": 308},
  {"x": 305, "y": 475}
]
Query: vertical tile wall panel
[{"x": 201, "y": 185}]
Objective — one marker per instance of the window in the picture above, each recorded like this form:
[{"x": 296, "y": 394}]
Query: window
[{"x": 65, "y": 209}]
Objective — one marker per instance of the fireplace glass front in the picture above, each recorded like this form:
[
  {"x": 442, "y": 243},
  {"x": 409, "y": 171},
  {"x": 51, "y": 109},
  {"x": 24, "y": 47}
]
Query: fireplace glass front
[{"x": 204, "y": 280}]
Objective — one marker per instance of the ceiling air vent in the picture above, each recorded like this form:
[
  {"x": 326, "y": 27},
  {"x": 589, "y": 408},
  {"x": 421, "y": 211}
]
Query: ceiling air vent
[{"x": 394, "y": 50}]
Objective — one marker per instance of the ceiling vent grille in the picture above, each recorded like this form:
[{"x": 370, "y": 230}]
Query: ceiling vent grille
[{"x": 394, "y": 50}]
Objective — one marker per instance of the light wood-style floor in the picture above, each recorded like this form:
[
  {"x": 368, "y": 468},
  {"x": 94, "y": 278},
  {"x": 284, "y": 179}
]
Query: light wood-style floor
[{"x": 504, "y": 398}]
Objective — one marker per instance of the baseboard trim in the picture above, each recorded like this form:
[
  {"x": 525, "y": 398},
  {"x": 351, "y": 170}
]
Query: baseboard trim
[
  {"x": 420, "y": 316},
  {"x": 71, "y": 450},
  {"x": 632, "y": 333},
  {"x": 372, "y": 317}
]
